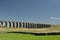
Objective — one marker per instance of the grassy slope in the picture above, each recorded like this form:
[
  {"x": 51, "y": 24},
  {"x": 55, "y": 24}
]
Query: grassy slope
[
  {"x": 53, "y": 28},
  {"x": 17, "y": 36},
  {"x": 14, "y": 36}
]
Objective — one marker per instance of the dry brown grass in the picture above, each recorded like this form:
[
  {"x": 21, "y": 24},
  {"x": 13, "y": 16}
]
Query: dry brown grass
[{"x": 34, "y": 30}]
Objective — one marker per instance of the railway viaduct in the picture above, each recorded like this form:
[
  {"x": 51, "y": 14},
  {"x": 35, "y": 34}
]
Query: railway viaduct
[{"x": 11, "y": 24}]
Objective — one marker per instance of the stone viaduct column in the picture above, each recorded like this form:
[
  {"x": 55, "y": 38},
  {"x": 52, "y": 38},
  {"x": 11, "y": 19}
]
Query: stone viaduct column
[
  {"x": 15, "y": 24},
  {"x": 29, "y": 25},
  {"x": 21, "y": 24},
  {"x": 36, "y": 25},
  {"x": 1, "y": 23},
  {"x": 18, "y": 25},
  {"x": 26, "y": 25},
  {"x": 8, "y": 24},
  {"x": 11, "y": 24},
  {"x": 5, "y": 23},
  {"x": 32, "y": 25}
]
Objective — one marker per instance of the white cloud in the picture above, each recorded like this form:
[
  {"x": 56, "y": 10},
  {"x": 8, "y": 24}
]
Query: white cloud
[{"x": 53, "y": 18}]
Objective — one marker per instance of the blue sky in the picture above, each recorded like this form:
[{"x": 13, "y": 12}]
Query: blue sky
[{"x": 29, "y": 10}]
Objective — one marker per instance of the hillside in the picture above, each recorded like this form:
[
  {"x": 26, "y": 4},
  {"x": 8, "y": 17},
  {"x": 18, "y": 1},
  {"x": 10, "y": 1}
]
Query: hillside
[{"x": 54, "y": 28}]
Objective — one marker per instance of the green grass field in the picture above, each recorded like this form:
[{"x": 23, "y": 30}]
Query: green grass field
[{"x": 19, "y": 36}]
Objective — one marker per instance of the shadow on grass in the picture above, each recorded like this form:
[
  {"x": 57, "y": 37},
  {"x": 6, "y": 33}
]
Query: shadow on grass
[{"x": 38, "y": 34}]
